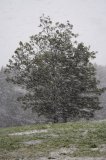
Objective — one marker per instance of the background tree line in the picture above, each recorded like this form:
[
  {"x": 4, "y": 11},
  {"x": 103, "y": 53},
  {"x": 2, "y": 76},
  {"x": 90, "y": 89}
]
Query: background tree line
[{"x": 11, "y": 112}]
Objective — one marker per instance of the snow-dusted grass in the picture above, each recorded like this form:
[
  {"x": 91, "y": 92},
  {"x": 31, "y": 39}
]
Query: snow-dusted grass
[
  {"x": 59, "y": 141},
  {"x": 28, "y": 132}
]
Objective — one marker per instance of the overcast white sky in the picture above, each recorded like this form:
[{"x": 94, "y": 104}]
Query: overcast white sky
[{"x": 19, "y": 19}]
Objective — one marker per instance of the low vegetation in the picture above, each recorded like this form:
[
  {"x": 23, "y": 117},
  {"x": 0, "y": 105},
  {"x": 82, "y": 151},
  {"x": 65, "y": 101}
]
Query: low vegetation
[{"x": 75, "y": 139}]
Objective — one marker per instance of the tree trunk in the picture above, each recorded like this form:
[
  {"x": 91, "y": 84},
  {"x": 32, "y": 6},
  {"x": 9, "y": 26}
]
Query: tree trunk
[
  {"x": 64, "y": 117},
  {"x": 55, "y": 119}
]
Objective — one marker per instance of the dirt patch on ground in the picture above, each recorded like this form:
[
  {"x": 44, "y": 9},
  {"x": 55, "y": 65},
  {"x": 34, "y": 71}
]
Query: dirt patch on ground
[
  {"x": 33, "y": 142},
  {"x": 65, "y": 153},
  {"x": 62, "y": 152},
  {"x": 102, "y": 148},
  {"x": 75, "y": 158}
]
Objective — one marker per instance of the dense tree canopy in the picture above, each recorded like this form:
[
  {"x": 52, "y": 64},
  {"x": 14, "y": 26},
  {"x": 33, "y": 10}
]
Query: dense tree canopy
[{"x": 56, "y": 72}]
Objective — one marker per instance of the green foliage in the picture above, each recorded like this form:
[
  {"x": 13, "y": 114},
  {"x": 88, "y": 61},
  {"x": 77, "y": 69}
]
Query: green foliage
[{"x": 57, "y": 73}]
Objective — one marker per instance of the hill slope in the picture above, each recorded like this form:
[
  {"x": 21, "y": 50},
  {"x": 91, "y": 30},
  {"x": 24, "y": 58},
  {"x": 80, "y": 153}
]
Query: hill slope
[{"x": 86, "y": 140}]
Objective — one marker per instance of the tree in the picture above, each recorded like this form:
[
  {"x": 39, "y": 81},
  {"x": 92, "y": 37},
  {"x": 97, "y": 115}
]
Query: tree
[{"x": 56, "y": 72}]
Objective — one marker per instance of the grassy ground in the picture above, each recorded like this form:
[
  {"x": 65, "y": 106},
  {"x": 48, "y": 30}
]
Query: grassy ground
[{"x": 76, "y": 139}]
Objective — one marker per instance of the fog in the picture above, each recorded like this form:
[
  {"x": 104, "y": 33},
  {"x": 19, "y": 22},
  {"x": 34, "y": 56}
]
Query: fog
[{"x": 20, "y": 19}]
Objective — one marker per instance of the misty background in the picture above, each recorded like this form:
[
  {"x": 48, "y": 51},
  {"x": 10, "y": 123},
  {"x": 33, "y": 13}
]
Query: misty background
[{"x": 19, "y": 19}]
